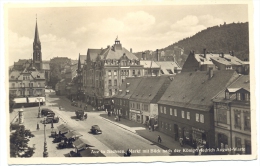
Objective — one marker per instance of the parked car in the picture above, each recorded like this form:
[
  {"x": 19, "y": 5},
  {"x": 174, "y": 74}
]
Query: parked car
[
  {"x": 74, "y": 103},
  {"x": 50, "y": 119},
  {"x": 46, "y": 111},
  {"x": 95, "y": 129}
]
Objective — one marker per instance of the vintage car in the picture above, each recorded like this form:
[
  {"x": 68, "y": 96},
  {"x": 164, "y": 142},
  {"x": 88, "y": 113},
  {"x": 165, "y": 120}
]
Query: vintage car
[
  {"x": 95, "y": 129},
  {"x": 46, "y": 112},
  {"x": 51, "y": 119}
]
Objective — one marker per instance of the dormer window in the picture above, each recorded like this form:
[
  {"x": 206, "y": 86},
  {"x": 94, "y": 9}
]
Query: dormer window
[
  {"x": 238, "y": 96},
  {"x": 227, "y": 95},
  {"x": 127, "y": 92},
  {"x": 247, "y": 97}
]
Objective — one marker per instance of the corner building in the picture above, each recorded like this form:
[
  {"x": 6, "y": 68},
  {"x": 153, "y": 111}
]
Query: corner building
[{"x": 106, "y": 69}]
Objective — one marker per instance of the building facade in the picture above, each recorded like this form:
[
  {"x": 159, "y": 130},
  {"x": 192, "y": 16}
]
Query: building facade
[
  {"x": 106, "y": 70},
  {"x": 186, "y": 110},
  {"x": 233, "y": 117}
]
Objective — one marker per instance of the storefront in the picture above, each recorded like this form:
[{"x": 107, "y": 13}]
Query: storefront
[
  {"x": 135, "y": 116},
  {"x": 199, "y": 137}
]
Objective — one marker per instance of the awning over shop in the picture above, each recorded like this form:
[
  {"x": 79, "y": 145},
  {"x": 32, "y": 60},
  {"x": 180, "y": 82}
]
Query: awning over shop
[
  {"x": 65, "y": 129},
  {"x": 20, "y": 100},
  {"x": 81, "y": 143},
  {"x": 36, "y": 99},
  {"x": 73, "y": 134},
  {"x": 60, "y": 127},
  {"x": 91, "y": 153}
]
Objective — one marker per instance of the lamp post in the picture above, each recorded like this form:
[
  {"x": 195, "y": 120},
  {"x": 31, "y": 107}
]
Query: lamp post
[
  {"x": 45, "y": 153},
  {"x": 39, "y": 100}
]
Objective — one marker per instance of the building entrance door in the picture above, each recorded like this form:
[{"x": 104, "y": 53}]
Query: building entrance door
[{"x": 176, "y": 132}]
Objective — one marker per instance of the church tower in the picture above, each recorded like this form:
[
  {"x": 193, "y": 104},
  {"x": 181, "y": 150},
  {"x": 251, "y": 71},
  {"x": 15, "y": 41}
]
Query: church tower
[{"x": 37, "y": 54}]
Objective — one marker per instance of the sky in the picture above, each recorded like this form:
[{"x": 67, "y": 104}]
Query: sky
[{"x": 70, "y": 31}]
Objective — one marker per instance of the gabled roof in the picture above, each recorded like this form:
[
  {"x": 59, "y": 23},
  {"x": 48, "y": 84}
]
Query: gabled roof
[
  {"x": 14, "y": 75},
  {"x": 242, "y": 82},
  {"x": 82, "y": 59},
  {"x": 113, "y": 53},
  {"x": 22, "y": 61},
  {"x": 148, "y": 88},
  {"x": 37, "y": 75},
  {"x": 227, "y": 60},
  {"x": 195, "y": 90},
  {"x": 130, "y": 84},
  {"x": 92, "y": 54},
  {"x": 168, "y": 65}
]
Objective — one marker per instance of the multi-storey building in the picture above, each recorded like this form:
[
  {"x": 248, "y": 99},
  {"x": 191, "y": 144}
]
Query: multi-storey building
[
  {"x": 121, "y": 99},
  {"x": 232, "y": 117},
  {"x": 186, "y": 110},
  {"x": 143, "y": 102},
  {"x": 205, "y": 61},
  {"x": 106, "y": 70},
  {"x": 80, "y": 77}
]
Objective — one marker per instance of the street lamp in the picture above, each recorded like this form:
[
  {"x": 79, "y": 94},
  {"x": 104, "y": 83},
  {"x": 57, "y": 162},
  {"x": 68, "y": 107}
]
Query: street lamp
[
  {"x": 45, "y": 153},
  {"x": 39, "y": 100}
]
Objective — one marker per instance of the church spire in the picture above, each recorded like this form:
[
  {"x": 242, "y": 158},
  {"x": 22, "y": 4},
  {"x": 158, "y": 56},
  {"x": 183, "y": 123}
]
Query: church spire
[{"x": 36, "y": 35}]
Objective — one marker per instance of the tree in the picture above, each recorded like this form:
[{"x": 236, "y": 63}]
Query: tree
[
  {"x": 11, "y": 102},
  {"x": 19, "y": 143}
]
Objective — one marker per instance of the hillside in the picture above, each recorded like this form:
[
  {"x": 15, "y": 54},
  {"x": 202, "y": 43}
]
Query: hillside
[{"x": 217, "y": 39}]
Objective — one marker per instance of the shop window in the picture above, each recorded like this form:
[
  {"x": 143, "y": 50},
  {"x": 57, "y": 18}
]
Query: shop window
[
  {"x": 238, "y": 144},
  {"x": 247, "y": 147},
  {"x": 164, "y": 110},
  {"x": 247, "y": 123},
  {"x": 201, "y": 118},
  {"x": 175, "y": 112},
  {"x": 197, "y": 117},
  {"x": 237, "y": 120},
  {"x": 182, "y": 114},
  {"x": 188, "y": 115},
  {"x": 170, "y": 111}
]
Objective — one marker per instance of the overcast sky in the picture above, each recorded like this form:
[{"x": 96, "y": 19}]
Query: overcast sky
[{"x": 72, "y": 30}]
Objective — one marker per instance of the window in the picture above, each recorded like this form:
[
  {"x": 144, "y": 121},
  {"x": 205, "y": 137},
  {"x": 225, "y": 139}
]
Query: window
[
  {"x": 188, "y": 115},
  {"x": 110, "y": 92},
  {"x": 109, "y": 83},
  {"x": 247, "y": 97},
  {"x": 127, "y": 72},
  {"x": 109, "y": 72},
  {"x": 139, "y": 72},
  {"x": 238, "y": 96},
  {"x": 237, "y": 120},
  {"x": 170, "y": 127},
  {"x": 161, "y": 124},
  {"x": 175, "y": 112},
  {"x": 164, "y": 110},
  {"x": 133, "y": 72},
  {"x": 227, "y": 95},
  {"x": 115, "y": 82},
  {"x": 161, "y": 109},
  {"x": 166, "y": 125},
  {"x": 146, "y": 107},
  {"x": 115, "y": 72},
  {"x": 201, "y": 118},
  {"x": 115, "y": 91},
  {"x": 197, "y": 117},
  {"x": 222, "y": 116},
  {"x": 247, "y": 122},
  {"x": 182, "y": 114},
  {"x": 170, "y": 111},
  {"x": 13, "y": 85}
]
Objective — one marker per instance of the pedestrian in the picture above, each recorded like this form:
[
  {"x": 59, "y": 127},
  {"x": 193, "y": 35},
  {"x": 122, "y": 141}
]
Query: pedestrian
[
  {"x": 149, "y": 128},
  {"x": 159, "y": 139}
]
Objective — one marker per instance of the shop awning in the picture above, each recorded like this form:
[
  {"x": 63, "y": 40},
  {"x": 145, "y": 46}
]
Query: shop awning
[
  {"x": 73, "y": 134},
  {"x": 20, "y": 100},
  {"x": 65, "y": 129},
  {"x": 81, "y": 143},
  {"x": 89, "y": 153},
  {"x": 36, "y": 99},
  {"x": 60, "y": 127}
]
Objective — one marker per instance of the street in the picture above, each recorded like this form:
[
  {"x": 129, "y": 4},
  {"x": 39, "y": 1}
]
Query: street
[{"x": 113, "y": 141}]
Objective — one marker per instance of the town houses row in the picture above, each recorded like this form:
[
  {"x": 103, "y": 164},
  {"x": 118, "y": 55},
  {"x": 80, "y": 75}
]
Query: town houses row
[{"x": 206, "y": 102}]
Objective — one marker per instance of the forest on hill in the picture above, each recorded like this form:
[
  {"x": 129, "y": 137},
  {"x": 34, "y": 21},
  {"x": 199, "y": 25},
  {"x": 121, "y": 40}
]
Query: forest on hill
[{"x": 217, "y": 39}]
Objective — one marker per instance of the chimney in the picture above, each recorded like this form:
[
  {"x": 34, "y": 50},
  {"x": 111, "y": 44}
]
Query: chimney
[
  {"x": 204, "y": 52},
  {"x": 210, "y": 72},
  {"x": 143, "y": 55},
  {"x": 131, "y": 50},
  {"x": 157, "y": 54},
  {"x": 222, "y": 55},
  {"x": 233, "y": 53}
]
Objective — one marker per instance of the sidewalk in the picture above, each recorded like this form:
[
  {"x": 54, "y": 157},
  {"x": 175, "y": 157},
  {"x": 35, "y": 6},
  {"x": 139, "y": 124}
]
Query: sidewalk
[{"x": 140, "y": 129}]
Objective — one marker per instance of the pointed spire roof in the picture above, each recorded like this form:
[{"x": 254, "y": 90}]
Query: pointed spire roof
[{"x": 36, "y": 35}]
